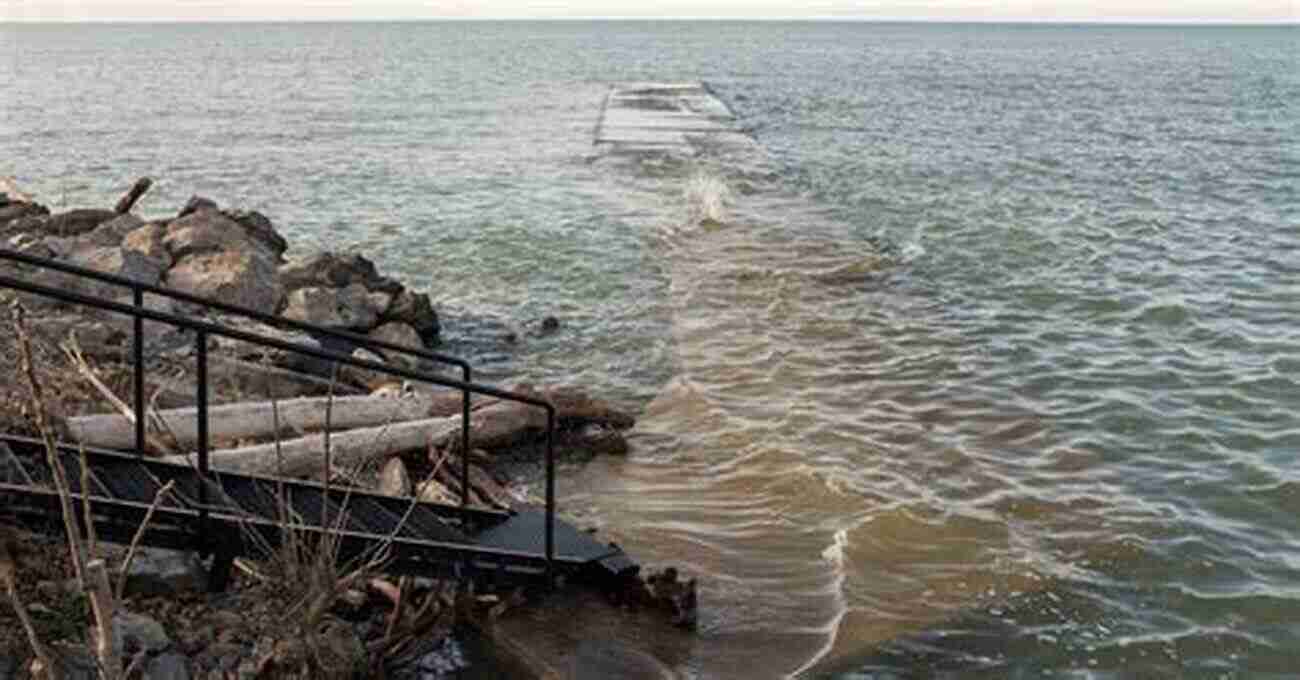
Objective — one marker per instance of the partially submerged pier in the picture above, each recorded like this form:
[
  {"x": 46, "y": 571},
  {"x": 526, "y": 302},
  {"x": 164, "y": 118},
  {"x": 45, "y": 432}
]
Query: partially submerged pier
[{"x": 667, "y": 117}]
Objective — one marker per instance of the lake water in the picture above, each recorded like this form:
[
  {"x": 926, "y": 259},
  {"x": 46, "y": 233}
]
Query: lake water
[{"x": 990, "y": 370}]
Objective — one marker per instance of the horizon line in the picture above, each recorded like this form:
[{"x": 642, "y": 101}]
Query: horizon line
[{"x": 1105, "y": 21}]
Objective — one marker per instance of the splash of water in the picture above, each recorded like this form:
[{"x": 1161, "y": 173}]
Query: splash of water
[{"x": 707, "y": 197}]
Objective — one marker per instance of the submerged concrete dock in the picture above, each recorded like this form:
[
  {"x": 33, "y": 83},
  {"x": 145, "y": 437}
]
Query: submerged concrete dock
[{"x": 667, "y": 117}]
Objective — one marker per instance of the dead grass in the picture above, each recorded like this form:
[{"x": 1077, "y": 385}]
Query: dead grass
[{"x": 301, "y": 580}]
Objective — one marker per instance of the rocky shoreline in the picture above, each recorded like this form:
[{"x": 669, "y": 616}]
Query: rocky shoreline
[{"x": 239, "y": 257}]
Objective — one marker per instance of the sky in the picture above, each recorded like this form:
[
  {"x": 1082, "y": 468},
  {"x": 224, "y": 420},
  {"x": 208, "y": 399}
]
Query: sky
[{"x": 1175, "y": 11}]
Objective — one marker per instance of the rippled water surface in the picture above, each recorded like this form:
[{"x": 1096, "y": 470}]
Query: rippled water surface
[{"x": 991, "y": 369}]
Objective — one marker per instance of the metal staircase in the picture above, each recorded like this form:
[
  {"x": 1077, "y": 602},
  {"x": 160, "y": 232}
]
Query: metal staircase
[{"x": 230, "y": 515}]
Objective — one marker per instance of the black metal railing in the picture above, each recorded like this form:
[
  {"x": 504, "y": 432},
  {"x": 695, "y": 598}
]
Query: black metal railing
[{"x": 203, "y": 330}]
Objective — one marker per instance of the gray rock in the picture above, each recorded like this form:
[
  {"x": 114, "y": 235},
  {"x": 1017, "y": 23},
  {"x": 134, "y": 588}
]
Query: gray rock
[
  {"x": 399, "y": 333},
  {"x": 205, "y": 232},
  {"x": 17, "y": 211},
  {"x": 108, "y": 259},
  {"x": 133, "y": 631},
  {"x": 258, "y": 227},
  {"x": 168, "y": 666},
  {"x": 156, "y": 572},
  {"x": 380, "y": 301},
  {"x": 294, "y": 363},
  {"x": 415, "y": 310},
  {"x": 346, "y": 307},
  {"x": 236, "y": 277},
  {"x": 148, "y": 240},
  {"x": 197, "y": 204},
  {"x": 112, "y": 232},
  {"x": 158, "y": 336},
  {"x": 77, "y": 222},
  {"x": 95, "y": 337},
  {"x": 332, "y": 270},
  {"x": 117, "y": 261},
  {"x": 30, "y": 244},
  {"x": 251, "y": 352}
]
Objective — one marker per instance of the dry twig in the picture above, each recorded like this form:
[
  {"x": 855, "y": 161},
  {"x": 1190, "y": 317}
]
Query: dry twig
[{"x": 139, "y": 535}]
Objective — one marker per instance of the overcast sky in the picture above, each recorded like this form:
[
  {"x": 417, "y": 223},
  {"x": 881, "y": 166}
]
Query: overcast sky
[{"x": 977, "y": 10}]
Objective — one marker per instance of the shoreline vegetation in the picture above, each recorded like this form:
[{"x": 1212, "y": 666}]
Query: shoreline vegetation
[{"x": 78, "y": 608}]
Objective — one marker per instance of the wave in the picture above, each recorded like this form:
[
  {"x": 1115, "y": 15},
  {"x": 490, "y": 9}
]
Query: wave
[{"x": 707, "y": 197}]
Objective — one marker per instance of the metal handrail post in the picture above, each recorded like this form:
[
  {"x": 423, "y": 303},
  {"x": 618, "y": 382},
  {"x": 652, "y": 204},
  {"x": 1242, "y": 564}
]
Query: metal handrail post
[
  {"x": 464, "y": 451},
  {"x": 201, "y": 408},
  {"x": 550, "y": 495},
  {"x": 137, "y": 355}
]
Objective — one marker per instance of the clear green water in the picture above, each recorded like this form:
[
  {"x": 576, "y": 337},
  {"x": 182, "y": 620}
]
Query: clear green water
[{"x": 1054, "y": 435}]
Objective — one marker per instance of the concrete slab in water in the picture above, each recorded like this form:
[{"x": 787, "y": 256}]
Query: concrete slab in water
[{"x": 666, "y": 117}]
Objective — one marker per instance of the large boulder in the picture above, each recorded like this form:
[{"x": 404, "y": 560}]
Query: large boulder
[
  {"x": 293, "y": 373},
  {"x": 400, "y": 334},
  {"x": 30, "y": 244},
  {"x": 335, "y": 271},
  {"x": 148, "y": 240},
  {"x": 77, "y": 222},
  {"x": 415, "y": 310},
  {"x": 16, "y": 211},
  {"x": 237, "y": 276},
  {"x": 112, "y": 232},
  {"x": 164, "y": 573},
  {"x": 129, "y": 264},
  {"x": 197, "y": 204},
  {"x": 206, "y": 231},
  {"x": 158, "y": 336},
  {"x": 113, "y": 260},
  {"x": 346, "y": 307},
  {"x": 138, "y": 632},
  {"x": 258, "y": 227}
]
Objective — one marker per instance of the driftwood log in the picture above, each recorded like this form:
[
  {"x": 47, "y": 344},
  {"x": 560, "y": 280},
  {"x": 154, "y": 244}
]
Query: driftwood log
[
  {"x": 484, "y": 489},
  {"x": 129, "y": 199},
  {"x": 495, "y": 425},
  {"x": 254, "y": 420},
  {"x": 506, "y": 423},
  {"x": 305, "y": 456}
]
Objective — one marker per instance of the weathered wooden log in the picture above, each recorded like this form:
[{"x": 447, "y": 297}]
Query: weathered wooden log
[
  {"x": 306, "y": 455},
  {"x": 255, "y": 420},
  {"x": 129, "y": 199},
  {"x": 484, "y": 489},
  {"x": 489, "y": 491},
  {"x": 571, "y": 403},
  {"x": 508, "y": 423},
  {"x": 497, "y": 425}
]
